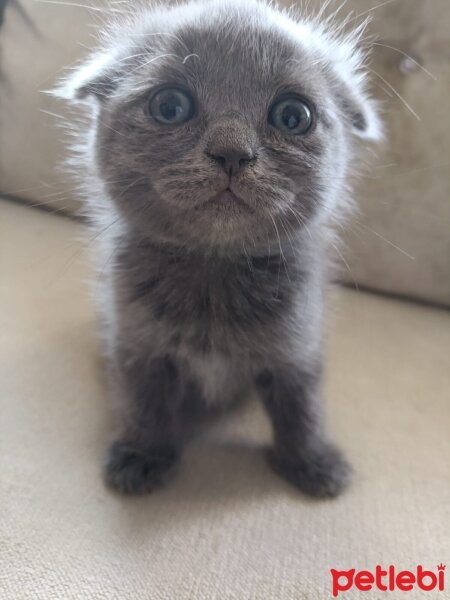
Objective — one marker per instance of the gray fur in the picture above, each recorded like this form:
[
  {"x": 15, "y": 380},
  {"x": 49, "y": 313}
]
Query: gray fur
[{"x": 203, "y": 299}]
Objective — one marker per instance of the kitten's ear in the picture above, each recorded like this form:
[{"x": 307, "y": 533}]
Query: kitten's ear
[
  {"x": 362, "y": 114},
  {"x": 96, "y": 77}
]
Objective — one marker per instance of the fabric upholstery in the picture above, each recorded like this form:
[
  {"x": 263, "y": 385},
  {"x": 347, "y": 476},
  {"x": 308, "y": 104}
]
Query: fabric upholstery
[{"x": 226, "y": 528}]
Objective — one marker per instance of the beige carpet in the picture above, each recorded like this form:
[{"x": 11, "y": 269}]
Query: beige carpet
[{"x": 226, "y": 528}]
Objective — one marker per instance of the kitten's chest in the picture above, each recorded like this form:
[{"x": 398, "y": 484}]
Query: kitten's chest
[{"x": 208, "y": 303}]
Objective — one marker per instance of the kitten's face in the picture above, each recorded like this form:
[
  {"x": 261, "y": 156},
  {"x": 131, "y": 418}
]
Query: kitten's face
[{"x": 222, "y": 133}]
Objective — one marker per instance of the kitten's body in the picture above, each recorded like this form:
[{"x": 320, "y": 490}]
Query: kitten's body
[
  {"x": 207, "y": 295},
  {"x": 223, "y": 319}
]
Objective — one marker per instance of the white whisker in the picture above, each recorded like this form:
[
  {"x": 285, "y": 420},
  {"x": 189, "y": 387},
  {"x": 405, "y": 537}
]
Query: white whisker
[
  {"x": 399, "y": 96},
  {"x": 408, "y": 56},
  {"x": 358, "y": 16},
  {"x": 387, "y": 241}
]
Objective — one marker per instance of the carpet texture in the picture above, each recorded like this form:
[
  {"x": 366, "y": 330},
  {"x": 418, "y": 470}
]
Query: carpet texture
[{"x": 226, "y": 528}]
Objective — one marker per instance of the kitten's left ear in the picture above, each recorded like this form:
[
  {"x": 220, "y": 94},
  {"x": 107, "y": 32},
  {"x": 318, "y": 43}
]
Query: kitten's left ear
[
  {"x": 94, "y": 78},
  {"x": 362, "y": 114}
]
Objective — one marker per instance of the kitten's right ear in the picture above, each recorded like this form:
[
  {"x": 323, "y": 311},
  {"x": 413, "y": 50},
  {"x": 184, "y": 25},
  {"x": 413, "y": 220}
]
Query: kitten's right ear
[{"x": 94, "y": 78}]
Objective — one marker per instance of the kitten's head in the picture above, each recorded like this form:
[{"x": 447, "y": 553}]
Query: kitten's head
[{"x": 224, "y": 124}]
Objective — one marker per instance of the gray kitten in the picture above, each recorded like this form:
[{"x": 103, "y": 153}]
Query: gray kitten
[{"x": 215, "y": 163}]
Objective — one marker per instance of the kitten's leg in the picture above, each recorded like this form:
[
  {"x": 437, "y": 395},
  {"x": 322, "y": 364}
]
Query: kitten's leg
[
  {"x": 302, "y": 453},
  {"x": 152, "y": 428}
]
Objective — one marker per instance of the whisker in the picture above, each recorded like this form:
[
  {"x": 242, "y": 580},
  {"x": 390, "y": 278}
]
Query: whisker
[
  {"x": 48, "y": 112},
  {"x": 247, "y": 258},
  {"x": 190, "y": 56},
  {"x": 152, "y": 60},
  {"x": 283, "y": 258},
  {"x": 73, "y": 4},
  {"x": 287, "y": 234},
  {"x": 358, "y": 16},
  {"x": 399, "y": 96},
  {"x": 300, "y": 220},
  {"x": 387, "y": 241},
  {"x": 406, "y": 55},
  {"x": 347, "y": 266}
]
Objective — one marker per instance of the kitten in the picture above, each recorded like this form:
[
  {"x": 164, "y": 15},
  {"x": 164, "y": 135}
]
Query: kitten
[{"x": 216, "y": 160}]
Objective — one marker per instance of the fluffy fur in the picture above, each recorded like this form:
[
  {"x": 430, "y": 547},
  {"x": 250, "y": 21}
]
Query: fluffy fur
[{"x": 204, "y": 299}]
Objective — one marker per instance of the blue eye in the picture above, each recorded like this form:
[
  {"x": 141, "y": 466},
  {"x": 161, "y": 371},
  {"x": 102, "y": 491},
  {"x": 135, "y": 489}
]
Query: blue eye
[
  {"x": 291, "y": 115},
  {"x": 171, "y": 106}
]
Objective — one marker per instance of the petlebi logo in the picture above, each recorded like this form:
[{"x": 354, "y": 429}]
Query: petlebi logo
[{"x": 388, "y": 580}]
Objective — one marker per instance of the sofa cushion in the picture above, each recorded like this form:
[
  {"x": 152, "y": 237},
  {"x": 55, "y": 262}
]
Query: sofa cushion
[{"x": 38, "y": 40}]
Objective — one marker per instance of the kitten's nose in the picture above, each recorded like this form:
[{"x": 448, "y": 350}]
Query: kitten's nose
[
  {"x": 232, "y": 144},
  {"x": 231, "y": 161}
]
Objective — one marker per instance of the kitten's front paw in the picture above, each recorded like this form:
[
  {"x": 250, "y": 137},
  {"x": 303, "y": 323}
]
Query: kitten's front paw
[
  {"x": 322, "y": 472},
  {"x": 130, "y": 470}
]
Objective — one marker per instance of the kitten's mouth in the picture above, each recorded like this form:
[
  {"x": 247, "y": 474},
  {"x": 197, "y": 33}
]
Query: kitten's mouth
[{"x": 225, "y": 200}]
